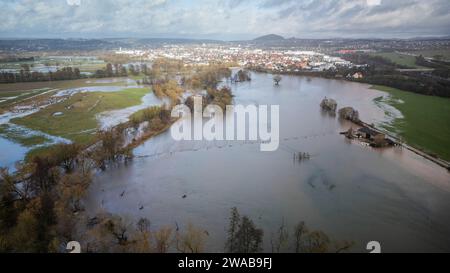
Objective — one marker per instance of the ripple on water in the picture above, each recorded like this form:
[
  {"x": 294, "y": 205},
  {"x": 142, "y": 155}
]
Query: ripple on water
[{"x": 351, "y": 193}]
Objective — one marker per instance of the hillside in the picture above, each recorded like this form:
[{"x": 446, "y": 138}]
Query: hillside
[{"x": 270, "y": 37}]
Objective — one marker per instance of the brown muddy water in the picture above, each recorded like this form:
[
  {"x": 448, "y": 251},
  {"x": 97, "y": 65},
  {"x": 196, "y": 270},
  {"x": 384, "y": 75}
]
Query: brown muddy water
[{"x": 349, "y": 191}]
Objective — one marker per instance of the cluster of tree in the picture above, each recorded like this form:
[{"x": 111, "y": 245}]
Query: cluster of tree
[
  {"x": 417, "y": 83},
  {"x": 108, "y": 233},
  {"x": 441, "y": 67},
  {"x": 169, "y": 89},
  {"x": 381, "y": 71},
  {"x": 208, "y": 77},
  {"x": 220, "y": 97},
  {"x": 111, "y": 147},
  {"x": 137, "y": 69},
  {"x": 13, "y": 59},
  {"x": 378, "y": 62},
  {"x": 157, "y": 117},
  {"x": 310, "y": 241},
  {"x": 148, "y": 80},
  {"x": 119, "y": 70},
  {"x": 169, "y": 66},
  {"x": 41, "y": 203},
  {"x": 245, "y": 237},
  {"x": 241, "y": 76},
  {"x": 26, "y": 75},
  {"x": 442, "y": 73},
  {"x": 422, "y": 61},
  {"x": 162, "y": 71}
]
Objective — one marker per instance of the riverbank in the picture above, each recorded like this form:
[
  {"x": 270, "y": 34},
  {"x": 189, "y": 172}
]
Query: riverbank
[
  {"x": 425, "y": 124},
  {"x": 436, "y": 160}
]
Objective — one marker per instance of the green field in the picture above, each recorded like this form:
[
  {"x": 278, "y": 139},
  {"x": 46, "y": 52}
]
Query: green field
[
  {"x": 12, "y": 93},
  {"x": 400, "y": 59},
  {"x": 441, "y": 54},
  {"x": 11, "y": 97},
  {"x": 78, "y": 120},
  {"x": 427, "y": 120}
]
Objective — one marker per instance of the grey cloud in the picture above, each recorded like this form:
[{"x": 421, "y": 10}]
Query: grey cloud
[{"x": 224, "y": 18}]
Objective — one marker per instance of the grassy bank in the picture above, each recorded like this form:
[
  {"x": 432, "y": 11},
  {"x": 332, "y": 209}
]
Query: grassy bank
[
  {"x": 427, "y": 120},
  {"x": 77, "y": 120}
]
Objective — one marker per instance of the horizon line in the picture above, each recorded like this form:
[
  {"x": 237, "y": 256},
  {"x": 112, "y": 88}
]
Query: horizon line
[{"x": 444, "y": 36}]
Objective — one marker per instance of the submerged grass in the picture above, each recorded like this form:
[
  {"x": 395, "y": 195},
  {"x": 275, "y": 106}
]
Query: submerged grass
[
  {"x": 426, "y": 122},
  {"x": 77, "y": 119},
  {"x": 20, "y": 137}
]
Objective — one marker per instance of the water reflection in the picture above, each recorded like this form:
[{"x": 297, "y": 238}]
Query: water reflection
[{"x": 349, "y": 191}]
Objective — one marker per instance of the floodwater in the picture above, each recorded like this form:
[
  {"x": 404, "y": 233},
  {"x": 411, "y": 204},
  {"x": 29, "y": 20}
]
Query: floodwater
[
  {"x": 12, "y": 152},
  {"x": 112, "y": 118},
  {"x": 349, "y": 191}
]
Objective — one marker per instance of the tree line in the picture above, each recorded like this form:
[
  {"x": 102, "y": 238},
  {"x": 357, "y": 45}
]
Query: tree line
[
  {"x": 27, "y": 75},
  {"x": 207, "y": 76},
  {"x": 120, "y": 70},
  {"x": 108, "y": 233},
  {"x": 381, "y": 71}
]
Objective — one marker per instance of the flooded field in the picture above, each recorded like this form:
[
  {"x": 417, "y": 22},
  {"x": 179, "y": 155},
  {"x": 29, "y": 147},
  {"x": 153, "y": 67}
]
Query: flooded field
[
  {"x": 87, "y": 64},
  {"x": 351, "y": 192},
  {"x": 21, "y": 138}
]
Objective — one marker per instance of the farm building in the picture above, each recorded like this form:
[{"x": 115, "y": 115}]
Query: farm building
[{"x": 375, "y": 138}]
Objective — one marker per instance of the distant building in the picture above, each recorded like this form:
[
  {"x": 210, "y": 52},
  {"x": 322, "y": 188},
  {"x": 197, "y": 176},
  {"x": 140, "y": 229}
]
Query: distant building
[
  {"x": 357, "y": 75},
  {"x": 376, "y": 139},
  {"x": 368, "y": 133}
]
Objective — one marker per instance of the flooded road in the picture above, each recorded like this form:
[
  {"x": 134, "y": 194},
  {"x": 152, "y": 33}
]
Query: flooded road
[{"x": 349, "y": 191}]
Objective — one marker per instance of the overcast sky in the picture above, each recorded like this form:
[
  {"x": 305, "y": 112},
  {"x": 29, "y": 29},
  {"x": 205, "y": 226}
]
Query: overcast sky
[{"x": 224, "y": 19}]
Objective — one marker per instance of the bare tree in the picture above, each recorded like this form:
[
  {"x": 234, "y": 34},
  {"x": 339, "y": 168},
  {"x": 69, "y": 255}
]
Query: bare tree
[
  {"x": 191, "y": 241},
  {"x": 277, "y": 79}
]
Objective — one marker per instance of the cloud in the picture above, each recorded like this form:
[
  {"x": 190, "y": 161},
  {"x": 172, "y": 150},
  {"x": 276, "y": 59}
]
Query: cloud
[
  {"x": 223, "y": 19},
  {"x": 74, "y": 2},
  {"x": 373, "y": 2}
]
